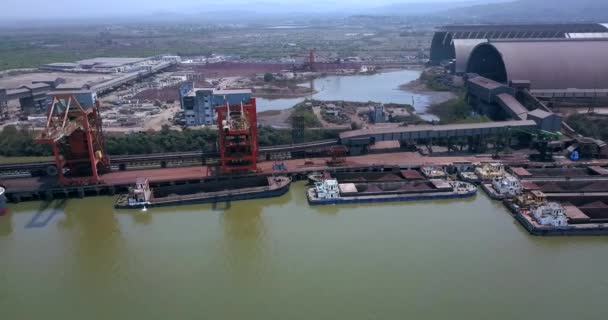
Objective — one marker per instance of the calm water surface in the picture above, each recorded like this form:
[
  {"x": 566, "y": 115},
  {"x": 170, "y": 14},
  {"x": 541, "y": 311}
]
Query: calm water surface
[
  {"x": 380, "y": 87},
  {"x": 281, "y": 259}
]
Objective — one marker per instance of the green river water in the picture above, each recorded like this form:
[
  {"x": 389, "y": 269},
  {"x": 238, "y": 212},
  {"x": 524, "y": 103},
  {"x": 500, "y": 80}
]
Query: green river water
[{"x": 282, "y": 259}]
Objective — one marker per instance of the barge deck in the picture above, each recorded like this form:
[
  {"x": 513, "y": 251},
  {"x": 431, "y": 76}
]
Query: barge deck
[
  {"x": 330, "y": 193},
  {"x": 206, "y": 192}
]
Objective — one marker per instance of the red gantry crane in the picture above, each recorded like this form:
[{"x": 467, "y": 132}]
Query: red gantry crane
[
  {"x": 238, "y": 137},
  {"x": 74, "y": 131}
]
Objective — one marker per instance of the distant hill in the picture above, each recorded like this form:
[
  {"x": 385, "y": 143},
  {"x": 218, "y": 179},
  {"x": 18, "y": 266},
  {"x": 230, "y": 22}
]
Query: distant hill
[
  {"x": 425, "y": 8},
  {"x": 533, "y": 11}
]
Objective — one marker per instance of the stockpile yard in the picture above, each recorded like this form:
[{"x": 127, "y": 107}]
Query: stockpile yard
[{"x": 573, "y": 172}]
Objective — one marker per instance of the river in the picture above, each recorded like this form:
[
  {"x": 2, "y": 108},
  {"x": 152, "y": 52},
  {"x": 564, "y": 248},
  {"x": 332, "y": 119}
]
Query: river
[
  {"x": 282, "y": 259},
  {"x": 380, "y": 87}
]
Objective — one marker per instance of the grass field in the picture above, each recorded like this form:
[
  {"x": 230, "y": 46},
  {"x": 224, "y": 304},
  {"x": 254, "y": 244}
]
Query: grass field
[{"x": 13, "y": 160}]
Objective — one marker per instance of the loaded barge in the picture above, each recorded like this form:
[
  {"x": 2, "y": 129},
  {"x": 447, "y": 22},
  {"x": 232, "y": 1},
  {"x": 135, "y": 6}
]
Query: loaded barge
[
  {"x": 142, "y": 196},
  {"x": 331, "y": 192}
]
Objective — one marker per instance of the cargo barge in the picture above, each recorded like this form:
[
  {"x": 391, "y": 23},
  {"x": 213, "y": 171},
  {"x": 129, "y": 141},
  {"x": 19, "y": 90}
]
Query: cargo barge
[
  {"x": 331, "y": 192},
  {"x": 527, "y": 220},
  {"x": 142, "y": 196}
]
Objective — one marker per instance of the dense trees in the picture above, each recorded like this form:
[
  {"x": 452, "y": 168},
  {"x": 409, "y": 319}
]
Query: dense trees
[
  {"x": 164, "y": 141},
  {"x": 589, "y": 126},
  {"x": 303, "y": 113},
  {"x": 456, "y": 111},
  {"x": 19, "y": 142}
]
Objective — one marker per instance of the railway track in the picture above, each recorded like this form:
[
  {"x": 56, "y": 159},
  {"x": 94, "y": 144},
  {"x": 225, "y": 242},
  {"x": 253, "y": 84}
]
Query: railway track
[{"x": 171, "y": 159}]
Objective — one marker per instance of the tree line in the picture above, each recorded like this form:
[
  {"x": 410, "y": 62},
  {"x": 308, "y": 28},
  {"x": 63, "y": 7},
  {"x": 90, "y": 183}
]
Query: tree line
[{"x": 15, "y": 142}]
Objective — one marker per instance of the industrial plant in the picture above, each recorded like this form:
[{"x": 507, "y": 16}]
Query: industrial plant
[{"x": 517, "y": 77}]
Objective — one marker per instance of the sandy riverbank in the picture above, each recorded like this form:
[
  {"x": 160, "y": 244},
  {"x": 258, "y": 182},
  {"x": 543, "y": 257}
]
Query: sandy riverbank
[{"x": 435, "y": 97}]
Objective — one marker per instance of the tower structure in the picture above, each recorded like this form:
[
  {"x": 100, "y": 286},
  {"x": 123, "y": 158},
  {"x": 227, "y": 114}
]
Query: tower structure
[
  {"x": 74, "y": 130},
  {"x": 238, "y": 137}
]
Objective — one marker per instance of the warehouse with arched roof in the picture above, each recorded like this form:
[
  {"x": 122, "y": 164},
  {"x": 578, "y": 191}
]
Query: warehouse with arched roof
[
  {"x": 555, "y": 64},
  {"x": 455, "y": 43}
]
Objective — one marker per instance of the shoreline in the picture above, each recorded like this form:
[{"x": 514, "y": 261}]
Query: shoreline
[{"x": 435, "y": 97}]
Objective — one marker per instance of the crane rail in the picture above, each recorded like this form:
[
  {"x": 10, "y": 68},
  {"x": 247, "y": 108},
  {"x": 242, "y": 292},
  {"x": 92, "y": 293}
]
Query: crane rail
[{"x": 189, "y": 156}]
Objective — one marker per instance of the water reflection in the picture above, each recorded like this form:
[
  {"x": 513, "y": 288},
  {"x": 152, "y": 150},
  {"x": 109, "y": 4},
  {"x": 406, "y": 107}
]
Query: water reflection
[
  {"x": 46, "y": 212},
  {"x": 246, "y": 246},
  {"x": 141, "y": 217},
  {"x": 96, "y": 240}
]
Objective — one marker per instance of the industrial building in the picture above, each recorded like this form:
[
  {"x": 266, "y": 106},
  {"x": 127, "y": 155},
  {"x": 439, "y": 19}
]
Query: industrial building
[
  {"x": 499, "y": 101},
  {"x": 547, "y": 64},
  {"x": 116, "y": 72},
  {"x": 452, "y": 45},
  {"x": 100, "y": 65},
  {"x": 32, "y": 97},
  {"x": 199, "y": 104},
  {"x": 377, "y": 114}
]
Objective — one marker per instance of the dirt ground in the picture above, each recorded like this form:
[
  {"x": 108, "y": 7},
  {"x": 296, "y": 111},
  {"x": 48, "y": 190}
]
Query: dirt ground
[
  {"x": 275, "y": 118},
  {"x": 328, "y": 125}
]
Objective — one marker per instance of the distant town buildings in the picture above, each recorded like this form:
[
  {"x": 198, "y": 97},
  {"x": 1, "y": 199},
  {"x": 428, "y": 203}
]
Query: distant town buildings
[{"x": 199, "y": 103}]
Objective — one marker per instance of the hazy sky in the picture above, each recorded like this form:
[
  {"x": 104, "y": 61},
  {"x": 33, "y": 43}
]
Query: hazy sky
[{"x": 50, "y": 9}]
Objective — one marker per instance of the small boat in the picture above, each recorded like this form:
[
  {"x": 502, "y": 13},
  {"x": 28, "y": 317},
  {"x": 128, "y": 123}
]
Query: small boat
[
  {"x": 3, "y": 207},
  {"x": 142, "y": 196}
]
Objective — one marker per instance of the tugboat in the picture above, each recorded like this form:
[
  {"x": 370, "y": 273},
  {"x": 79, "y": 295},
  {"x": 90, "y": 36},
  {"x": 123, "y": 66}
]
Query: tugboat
[
  {"x": 503, "y": 187},
  {"x": 3, "y": 208},
  {"x": 489, "y": 171},
  {"x": 550, "y": 214},
  {"x": 318, "y": 177}
]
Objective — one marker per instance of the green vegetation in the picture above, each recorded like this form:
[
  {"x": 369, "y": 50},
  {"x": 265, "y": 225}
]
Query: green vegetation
[
  {"x": 164, "y": 141},
  {"x": 19, "y": 143},
  {"x": 411, "y": 119},
  {"x": 303, "y": 116},
  {"x": 408, "y": 107},
  {"x": 434, "y": 81},
  {"x": 456, "y": 111},
  {"x": 589, "y": 126},
  {"x": 14, "y": 160}
]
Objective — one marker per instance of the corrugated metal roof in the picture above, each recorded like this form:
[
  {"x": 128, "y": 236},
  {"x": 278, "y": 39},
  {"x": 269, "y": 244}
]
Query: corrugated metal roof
[
  {"x": 577, "y": 93},
  {"x": 587, "y": 35},
  {"x": 540, "y": 114},
  {"x": 516, "y": 109},
  {"x": 463, "y": 48},
  {"x": 485, "y": 83},
  {"x": 564, "y": 27},
  {"x": 444, "y": 45},
  {"x": 548, "y": 64},
  {"x": 34, "y": 86}
]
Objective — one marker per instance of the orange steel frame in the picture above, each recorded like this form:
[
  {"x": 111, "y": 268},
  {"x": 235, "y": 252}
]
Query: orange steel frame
[
  {"x": 83, "y": 130},
  {"x": 238, "y": 147}
]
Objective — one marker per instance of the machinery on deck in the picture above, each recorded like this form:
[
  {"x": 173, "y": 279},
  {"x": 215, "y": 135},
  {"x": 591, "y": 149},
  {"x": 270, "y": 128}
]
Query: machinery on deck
[
  {"x": 74, "y": 130},
  {"x": 238, "y": 137},
  {"x": 540, "y": 142}
]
